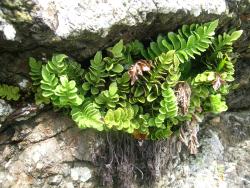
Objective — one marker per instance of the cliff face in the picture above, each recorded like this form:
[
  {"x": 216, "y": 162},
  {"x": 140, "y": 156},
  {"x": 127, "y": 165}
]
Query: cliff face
[{"x": 48, "y": 150}]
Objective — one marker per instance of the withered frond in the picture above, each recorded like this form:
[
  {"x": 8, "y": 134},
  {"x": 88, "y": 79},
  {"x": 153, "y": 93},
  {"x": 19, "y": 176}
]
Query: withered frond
[
  {"x": 188, "y": 135},
  {"x": 217, "y": 82},
  {"x": 183, "y": 93},
  {"x": 138, "y": 68}
]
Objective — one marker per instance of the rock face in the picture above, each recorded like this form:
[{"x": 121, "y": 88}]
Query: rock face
[{"x": 49, "y": 151}]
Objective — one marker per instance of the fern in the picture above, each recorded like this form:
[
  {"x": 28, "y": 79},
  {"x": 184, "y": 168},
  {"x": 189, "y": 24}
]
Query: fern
[
  {"x": 189, "y": 41},
  {"x": 67, "y": 93},
  {"x": 136, "y": 89},
  {"x": 95, "y": 76},
  {"x": 35, "y": 71},
  {"x": 109, "y": 97},
  {"x": 9, "y": 92},
  {"x": 223, "y": 43},
  {"x": 121, "y": 119},
  {"x": 217, "y": 105},
  {"x": 87, "y": 116},
  {"x": 49, "y": 82},
  {"x": 168, "y": 107},
  {"x": 57, "y": 65}
]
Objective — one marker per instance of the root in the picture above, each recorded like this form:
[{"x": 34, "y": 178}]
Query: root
[{"x": 126, "y": 162}]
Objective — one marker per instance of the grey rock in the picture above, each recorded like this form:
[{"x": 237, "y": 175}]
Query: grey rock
[
  {"x": 223, "y": 158},
  {"x": 67, "y": 18},
  {"x": 69, "y": 185},
  {"x": 8, "y": 31},
  {"x": 45, "y": 153},
  {"x": 5, "y": 110},
  {"x": 82, "y": 174},
  {"x": 55, "y": 180},
  {"x": 239, "y": 98}
]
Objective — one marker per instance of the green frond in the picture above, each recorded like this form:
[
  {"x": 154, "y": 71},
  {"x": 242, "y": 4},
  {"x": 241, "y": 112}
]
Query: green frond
[
  {"x": 116, "y": 50},
  {"x": 168, "y": 107},
  {"x": 74, "y": 71},
  {"x": 109, "y": 97},
  {"x": 217, "y": 105},
  {"x": 161, "y": 133},
  {"x": 189, "y": 42},
  {"x": 66, "y": 92},
  {"x": 87, "y": 116},
  {"x": 49, "y": 82},
  {"x": 95, "y": 74},
  {"x": 35, "y": 71},
  {"x": 121, "y": 119},
  {"x": 57, "y": 65},
  {"x": 39, "y": 98},
  {"x": 9, "y": 92},
  {"x": 223, "y": 43}
]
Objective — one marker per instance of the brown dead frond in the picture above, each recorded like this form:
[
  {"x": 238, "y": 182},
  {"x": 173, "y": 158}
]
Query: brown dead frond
[
  {"x": 217, "y": 82},
  {"x": 188, "y": 135},
  {"x": 183, "y": 93},
  {"x": 138, "y": 68}
]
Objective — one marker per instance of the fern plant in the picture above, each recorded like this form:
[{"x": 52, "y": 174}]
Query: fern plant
[
  {"x": 145, "y": 91},
  {"x": 9, "y": 92}
]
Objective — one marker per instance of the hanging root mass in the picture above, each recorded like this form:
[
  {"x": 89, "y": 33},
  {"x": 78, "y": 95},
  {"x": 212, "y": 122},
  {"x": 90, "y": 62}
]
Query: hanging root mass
[{"x": 126, "y": 162}]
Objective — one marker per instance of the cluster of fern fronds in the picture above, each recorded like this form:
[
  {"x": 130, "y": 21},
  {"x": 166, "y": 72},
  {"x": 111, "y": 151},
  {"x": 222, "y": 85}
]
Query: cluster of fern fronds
[
  {"x": 145, "y": 91},
  {"x": 9, "y": 92}
]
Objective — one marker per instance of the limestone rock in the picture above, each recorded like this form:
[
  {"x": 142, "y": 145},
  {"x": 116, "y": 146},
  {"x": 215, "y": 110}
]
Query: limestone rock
[{"x": 47, "y": 150}]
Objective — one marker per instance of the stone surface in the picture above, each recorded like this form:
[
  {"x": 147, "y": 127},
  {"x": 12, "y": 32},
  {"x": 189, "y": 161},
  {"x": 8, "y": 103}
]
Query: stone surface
[
  {"x": 50, "y": 151},
  {"x": 239, "y": 98},
  {"x": 47, "y": 150},
  {"x": 223, "y": 158},
  {"x": 5, "y": 110}
]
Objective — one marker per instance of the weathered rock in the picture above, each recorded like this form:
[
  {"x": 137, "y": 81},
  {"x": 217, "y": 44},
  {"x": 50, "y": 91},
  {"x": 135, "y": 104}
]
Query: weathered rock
[
  {"x": 50, "y": 151},
  {"x": 239, "y": 98},
  {"x": 5, "y": 110},
  {"x": 223, "y": 159},
  {"x": 47, "y": 150}
]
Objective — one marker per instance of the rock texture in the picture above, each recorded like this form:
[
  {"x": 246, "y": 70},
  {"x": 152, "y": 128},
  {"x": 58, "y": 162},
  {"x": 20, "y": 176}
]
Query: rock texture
[{"x": 49, "y": 151}]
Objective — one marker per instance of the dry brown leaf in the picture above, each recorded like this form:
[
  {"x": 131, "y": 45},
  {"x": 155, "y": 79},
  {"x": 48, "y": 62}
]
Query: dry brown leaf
[
  {"x": 217, "y": 82},
  {"x": 183, "y": 93},
  {"x": 138, "y": 68},
  {"x": 188, "y": 135}
]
